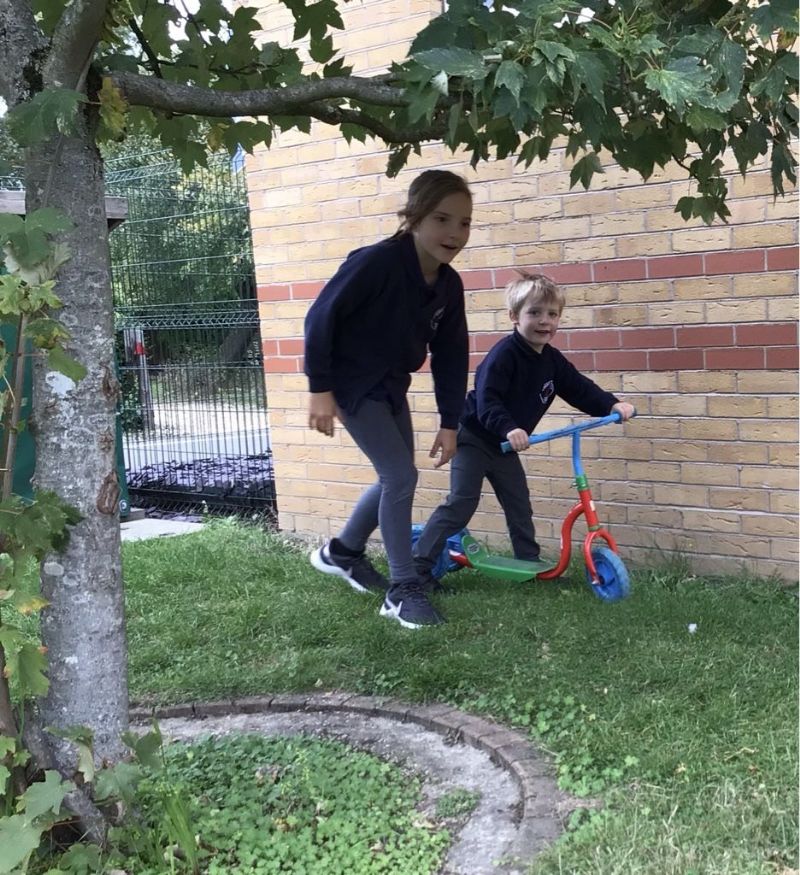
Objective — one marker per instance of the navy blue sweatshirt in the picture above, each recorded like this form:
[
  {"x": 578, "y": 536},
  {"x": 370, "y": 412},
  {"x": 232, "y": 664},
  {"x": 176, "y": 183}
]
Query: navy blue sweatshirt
[
  {"x": 515, "y": 385},
  {"x": 372, "y": 326}
]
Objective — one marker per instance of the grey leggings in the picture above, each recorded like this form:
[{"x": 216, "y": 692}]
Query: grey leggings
[{"x": 387, "y": 440}]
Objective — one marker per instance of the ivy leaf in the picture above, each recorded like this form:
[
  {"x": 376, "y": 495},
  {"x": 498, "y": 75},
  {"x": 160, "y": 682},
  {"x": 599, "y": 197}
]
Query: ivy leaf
[
  {"x": 584, "y": 169},
  {"x": 19, "y": 838},
  {"x": 510, "y": 75},
  {"x": 453, "y": 61},
  {"x": 44, "y": 796},
  {"x": 58, "y": 360},
  {"x": 49, "y": 112}
]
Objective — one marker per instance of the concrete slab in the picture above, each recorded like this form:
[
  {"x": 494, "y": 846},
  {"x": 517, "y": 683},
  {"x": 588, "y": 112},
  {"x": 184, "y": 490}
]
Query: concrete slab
[{"x": 140, "y": 530}]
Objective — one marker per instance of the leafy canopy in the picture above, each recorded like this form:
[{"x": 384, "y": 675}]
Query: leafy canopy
[{"x": 644, "y": 83}]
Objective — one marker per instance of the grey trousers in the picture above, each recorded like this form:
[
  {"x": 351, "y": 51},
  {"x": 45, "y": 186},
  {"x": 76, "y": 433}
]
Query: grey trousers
[
  {"x": 387, "y": 440},
  {"x": 475, "y": 460}
]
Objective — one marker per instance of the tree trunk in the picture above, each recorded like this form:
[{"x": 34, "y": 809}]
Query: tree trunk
[{"x": 74, "y": 429}]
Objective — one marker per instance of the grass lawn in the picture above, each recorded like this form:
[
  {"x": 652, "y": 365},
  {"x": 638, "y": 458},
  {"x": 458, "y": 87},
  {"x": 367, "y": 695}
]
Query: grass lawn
[{"x": 690, "y": 740}]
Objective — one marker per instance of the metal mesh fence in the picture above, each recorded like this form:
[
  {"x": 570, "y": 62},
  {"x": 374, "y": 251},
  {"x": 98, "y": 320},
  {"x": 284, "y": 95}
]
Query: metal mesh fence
[{"x": 194, "y": 409}]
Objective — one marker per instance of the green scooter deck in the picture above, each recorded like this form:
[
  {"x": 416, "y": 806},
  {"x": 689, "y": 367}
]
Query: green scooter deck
[{"x": 502, "y": 567}]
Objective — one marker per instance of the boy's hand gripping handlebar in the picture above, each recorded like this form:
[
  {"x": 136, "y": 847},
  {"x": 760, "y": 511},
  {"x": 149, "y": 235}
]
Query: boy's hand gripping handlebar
[{"x": 568, "y": 429}]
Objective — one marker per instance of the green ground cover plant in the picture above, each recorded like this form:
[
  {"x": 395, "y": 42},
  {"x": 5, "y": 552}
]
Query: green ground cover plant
[
  {"x": 684, "y": 744},
  {"x": 689, "y": 739}
]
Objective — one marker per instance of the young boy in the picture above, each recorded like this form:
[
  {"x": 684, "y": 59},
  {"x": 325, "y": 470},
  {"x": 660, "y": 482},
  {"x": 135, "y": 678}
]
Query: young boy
[{"x": 514, "y": 386}]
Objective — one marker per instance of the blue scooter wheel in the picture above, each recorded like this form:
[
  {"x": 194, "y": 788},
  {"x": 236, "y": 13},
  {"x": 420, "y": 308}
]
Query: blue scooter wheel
[{"x": 614, "y": 583}]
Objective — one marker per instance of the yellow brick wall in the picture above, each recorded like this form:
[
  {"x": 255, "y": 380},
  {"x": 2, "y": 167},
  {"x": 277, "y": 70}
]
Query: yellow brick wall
[{"x": 708, "y": 469}]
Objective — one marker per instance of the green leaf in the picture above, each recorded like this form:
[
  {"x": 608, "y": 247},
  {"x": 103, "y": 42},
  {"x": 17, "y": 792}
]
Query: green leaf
[
  {"x": 510, "y": 75},
  {"x": 552, "y": 50},
  {"x": 147, "y": 748},
  {"x": 588, "y": 71},
  {"x": 453, "y": 61},
  {"x": 31, "y": 665},
  {"x": 680, "y": 82},
  {"x": 776, "y": 15},
  {"x": 44, "y": 796},
  {"x": 48, "y": 219},
  {"x": 49, "y": 112},
  {"x": 58, "y": 360},
  {"x": 584, "y": 169},
  {"x": 10, "y": 224},
  {"x": 397, "y": 160},
  {"x": 701, "y": 119},
  {"x": 118, "y": 782},
  {"x": 19, "y": 838}
]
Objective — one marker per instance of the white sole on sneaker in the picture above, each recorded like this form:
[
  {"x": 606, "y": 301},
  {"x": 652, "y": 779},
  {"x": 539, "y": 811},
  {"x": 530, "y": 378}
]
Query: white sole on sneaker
[
  {"x": 318, "y": 561},
  {"x": 392, "y": 612}
]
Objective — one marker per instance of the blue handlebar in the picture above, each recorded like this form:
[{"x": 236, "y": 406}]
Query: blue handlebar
[{"x": 568, "y": 429}]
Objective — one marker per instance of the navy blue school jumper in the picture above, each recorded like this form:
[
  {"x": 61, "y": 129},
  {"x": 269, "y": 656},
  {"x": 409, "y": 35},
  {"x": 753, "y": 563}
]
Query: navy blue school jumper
[
  {"x": 370, "y": 328},
  {"x": 373, "y": 323},
  {"x": 514, "y": 387}
]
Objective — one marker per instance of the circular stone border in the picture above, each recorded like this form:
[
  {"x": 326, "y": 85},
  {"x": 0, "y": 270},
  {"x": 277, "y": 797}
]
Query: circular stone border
[{"x": 541, "y": 821}]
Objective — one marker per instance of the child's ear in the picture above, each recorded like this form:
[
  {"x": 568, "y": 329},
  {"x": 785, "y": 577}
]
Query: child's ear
[{"x": 513, "y": 317}]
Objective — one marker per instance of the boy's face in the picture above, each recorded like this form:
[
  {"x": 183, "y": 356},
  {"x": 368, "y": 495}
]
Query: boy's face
[{"x": 537, "y": 321}]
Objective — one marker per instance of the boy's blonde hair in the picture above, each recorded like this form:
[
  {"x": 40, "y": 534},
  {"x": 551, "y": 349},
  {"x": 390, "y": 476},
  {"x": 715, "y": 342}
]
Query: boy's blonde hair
[{"x": 533, "y": 288}]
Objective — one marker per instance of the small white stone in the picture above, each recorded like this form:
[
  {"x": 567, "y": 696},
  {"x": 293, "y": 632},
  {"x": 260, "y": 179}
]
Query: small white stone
[
  {"x": 692, "y": 627},
  {"x": 54, "y": 569}
]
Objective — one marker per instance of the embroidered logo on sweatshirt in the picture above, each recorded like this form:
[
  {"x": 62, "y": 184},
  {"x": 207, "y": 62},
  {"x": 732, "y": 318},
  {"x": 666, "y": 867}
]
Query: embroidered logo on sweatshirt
[
  {"x": 437, "y": 318},
  {"x": 547, "y": 392}
]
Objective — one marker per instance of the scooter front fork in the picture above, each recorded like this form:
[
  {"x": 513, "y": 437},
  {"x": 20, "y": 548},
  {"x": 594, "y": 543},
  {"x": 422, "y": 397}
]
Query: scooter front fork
[{"x": 586, "y": 507}]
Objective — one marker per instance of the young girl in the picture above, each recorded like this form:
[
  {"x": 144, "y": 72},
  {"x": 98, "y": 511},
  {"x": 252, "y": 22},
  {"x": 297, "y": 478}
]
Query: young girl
[{"x": 369, "y": 329}]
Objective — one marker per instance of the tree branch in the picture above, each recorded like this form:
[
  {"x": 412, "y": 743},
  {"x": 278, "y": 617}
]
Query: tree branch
[
  {"x": 195, "y": 100},
  {"x": 73, "y": 42},
  {"x": 151, "y": 56},
  {"x": 336, "y": 116}
]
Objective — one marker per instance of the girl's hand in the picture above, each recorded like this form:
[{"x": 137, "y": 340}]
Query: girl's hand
[
  {"x": 444, "y": 446},
  {"x": 624, "y": 409},
  {"x": 322, "y": 412},
  {"x": 518, "y": 438}
]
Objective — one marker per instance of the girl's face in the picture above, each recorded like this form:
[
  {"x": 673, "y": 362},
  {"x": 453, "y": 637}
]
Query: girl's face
[
  {"x": 443, "y": 233},
  {"x": 537, "y": 321}
]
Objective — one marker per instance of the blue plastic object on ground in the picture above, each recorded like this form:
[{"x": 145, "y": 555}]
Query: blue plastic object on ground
[
  {"x": 614, "y": 582},
  {"x": 444, "y": 563}
]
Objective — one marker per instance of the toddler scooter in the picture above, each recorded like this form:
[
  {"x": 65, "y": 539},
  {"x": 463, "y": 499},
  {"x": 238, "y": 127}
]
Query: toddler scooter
[{"x": 605, "y": 571}]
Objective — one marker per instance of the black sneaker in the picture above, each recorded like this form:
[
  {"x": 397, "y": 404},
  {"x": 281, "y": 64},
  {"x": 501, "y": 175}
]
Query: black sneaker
[
  {"x": 432, "y": 585},
  {"x": 408, "y": 603},
  {"x": 358, "y": 571}
]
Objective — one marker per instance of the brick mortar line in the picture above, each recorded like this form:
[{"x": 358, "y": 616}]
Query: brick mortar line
[
  {"x": 506, "y": 748},
  {"x": 605, "y": 270}
]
